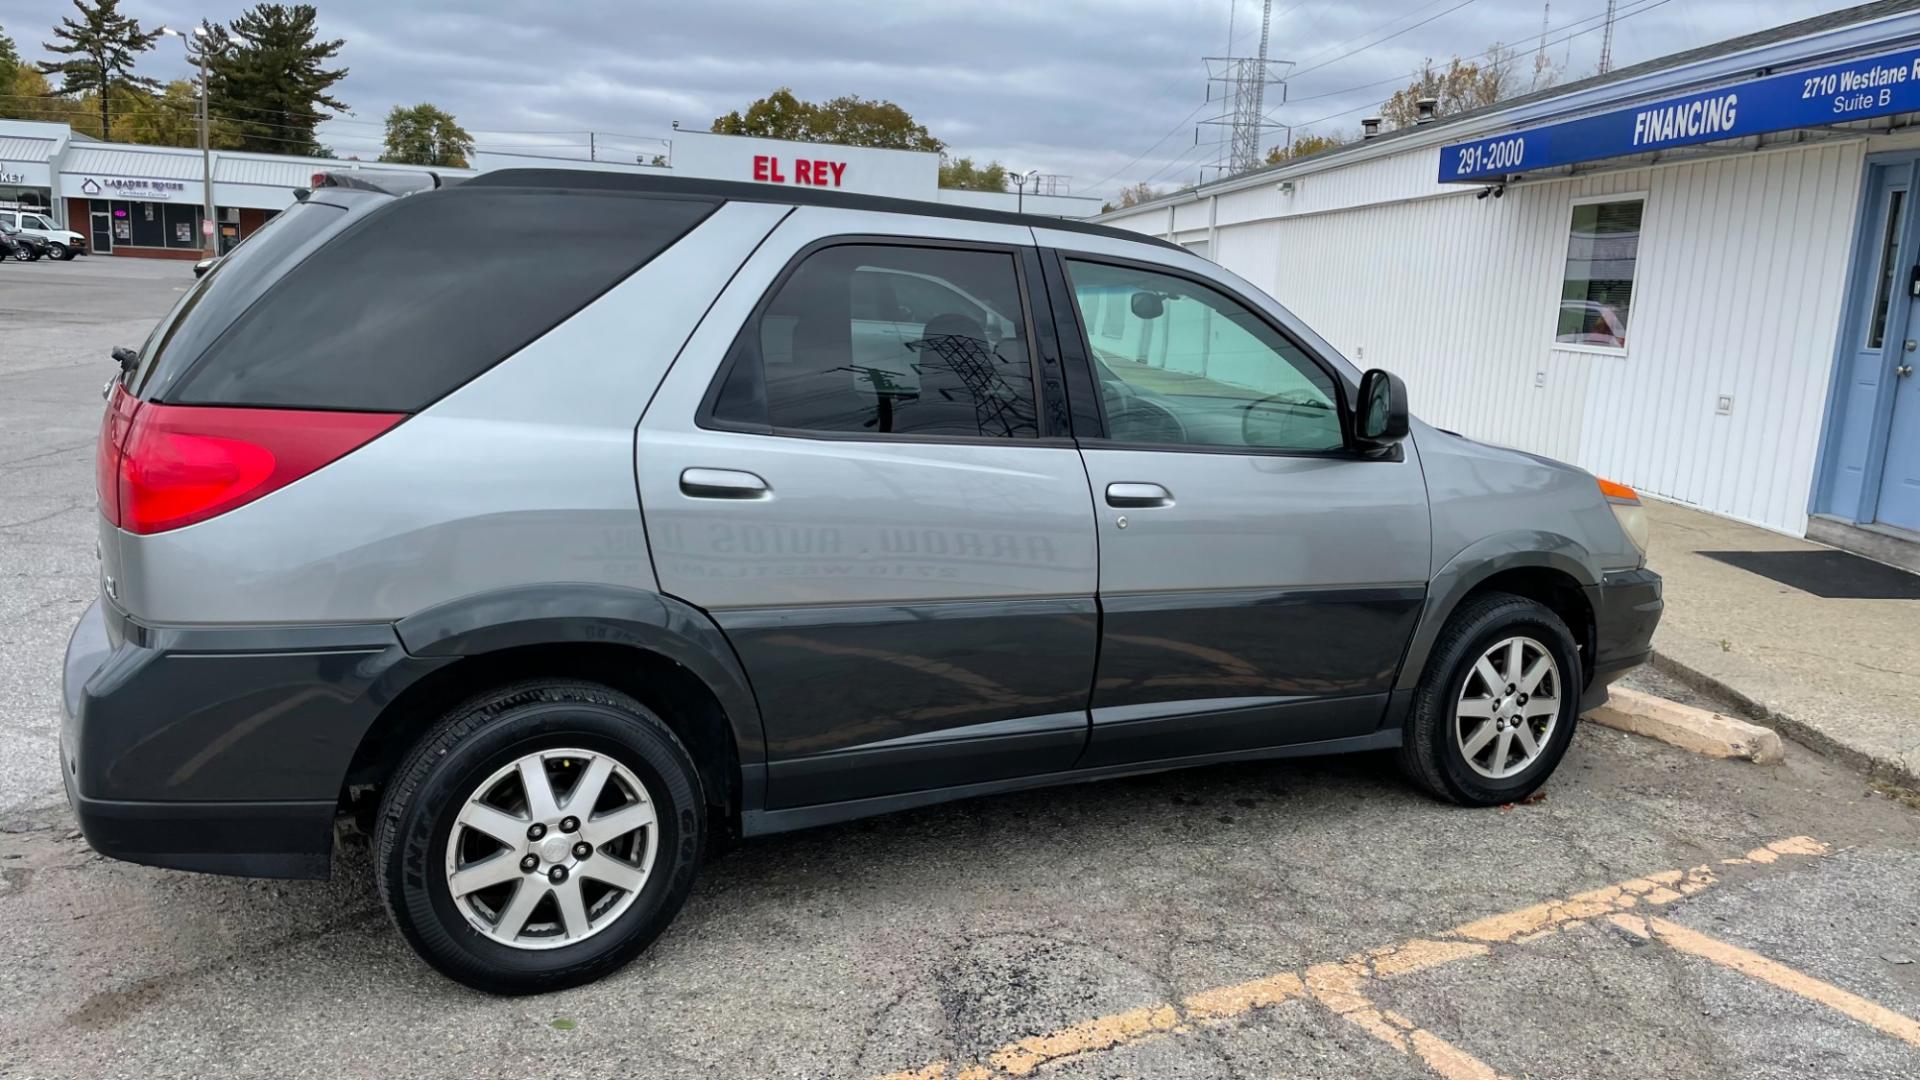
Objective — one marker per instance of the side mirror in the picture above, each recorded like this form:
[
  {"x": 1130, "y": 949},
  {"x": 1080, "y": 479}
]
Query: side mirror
[
  {"x": 1380, "y": 420},
  {"x": 1148, "y": 305}
]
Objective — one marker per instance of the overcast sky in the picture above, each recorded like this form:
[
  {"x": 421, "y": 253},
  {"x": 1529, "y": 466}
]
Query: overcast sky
[{"x": 1105, "y": 91}]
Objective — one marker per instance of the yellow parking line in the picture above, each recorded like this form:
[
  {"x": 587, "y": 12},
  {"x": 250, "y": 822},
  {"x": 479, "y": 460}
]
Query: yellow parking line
[
  {"x": 1339, "y": 986},
  {"x": 1773, "y": 973}
]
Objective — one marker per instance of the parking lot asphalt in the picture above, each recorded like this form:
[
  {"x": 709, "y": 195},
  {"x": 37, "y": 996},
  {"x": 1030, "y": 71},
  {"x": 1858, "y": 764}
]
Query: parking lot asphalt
[{"x": 1656, "y": 914}]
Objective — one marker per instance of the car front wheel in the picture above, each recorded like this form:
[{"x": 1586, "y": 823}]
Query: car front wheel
[
  {"x": 539, "y": 837},
  {"x": 1496, "y": 707},
  {"x": 57, "y": 252}
]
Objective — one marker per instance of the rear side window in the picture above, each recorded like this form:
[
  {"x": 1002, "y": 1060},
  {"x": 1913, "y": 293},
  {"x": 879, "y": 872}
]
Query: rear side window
[
  {"x": 426, "y": 293},
  {"x": 209, "y": 308},
  {"x": 874, "y": 339}
]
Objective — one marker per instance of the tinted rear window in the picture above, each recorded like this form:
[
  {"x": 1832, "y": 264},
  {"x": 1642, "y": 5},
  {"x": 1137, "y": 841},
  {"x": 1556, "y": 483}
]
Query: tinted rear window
[
  {"x": 427, "y": 292},
  {"x": 229, "y": 288}
]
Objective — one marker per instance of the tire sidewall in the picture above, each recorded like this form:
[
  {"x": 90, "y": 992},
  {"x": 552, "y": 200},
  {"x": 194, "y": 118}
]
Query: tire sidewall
[
  {"x": 1518, "y": 618},
  {"x": 416, "y": 858},
  {"x": 57, "y": 252}
]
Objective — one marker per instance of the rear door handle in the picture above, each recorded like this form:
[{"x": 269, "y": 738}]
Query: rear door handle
[
  {"x": 722, "y": 484},
  {"x": 1125, "y": 495}
]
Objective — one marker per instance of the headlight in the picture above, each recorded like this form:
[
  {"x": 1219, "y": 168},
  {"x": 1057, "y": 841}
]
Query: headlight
[{"x": 1625, "y": 503}]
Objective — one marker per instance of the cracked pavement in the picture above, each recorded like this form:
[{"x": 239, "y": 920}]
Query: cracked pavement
[{"x": 943, "y": 934}]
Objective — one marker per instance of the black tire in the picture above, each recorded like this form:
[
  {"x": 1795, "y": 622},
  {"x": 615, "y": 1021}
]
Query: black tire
[
  {"x": 1430, "y": 755},
  {"x": 58, "y": 252},
  {"x": 417, "y": 811}
]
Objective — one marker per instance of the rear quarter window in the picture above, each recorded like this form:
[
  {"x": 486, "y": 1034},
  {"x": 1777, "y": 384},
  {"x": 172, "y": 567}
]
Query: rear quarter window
[{"x": 422, "y": 295}]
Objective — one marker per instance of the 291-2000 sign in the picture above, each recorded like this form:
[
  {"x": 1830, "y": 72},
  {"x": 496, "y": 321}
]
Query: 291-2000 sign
[{"x": 1493, "y": 154}]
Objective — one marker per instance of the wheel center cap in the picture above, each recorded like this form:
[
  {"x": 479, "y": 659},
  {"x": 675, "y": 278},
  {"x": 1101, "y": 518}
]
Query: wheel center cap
[{"x": 554, "y": 849}]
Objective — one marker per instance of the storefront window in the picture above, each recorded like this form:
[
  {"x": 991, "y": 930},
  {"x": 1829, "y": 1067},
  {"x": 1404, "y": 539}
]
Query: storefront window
[
  {"x": 1597, "y": 290},
  {"x": 35, "y": 198}
]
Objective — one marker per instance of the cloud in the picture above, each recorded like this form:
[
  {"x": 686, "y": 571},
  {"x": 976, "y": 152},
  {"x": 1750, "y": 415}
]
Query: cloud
[{"x": 1075, "y": 87}]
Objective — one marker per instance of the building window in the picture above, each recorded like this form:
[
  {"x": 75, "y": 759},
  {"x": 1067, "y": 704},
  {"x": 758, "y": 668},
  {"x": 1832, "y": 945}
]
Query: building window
[
  {"x": 27, "y": 198},
  {"x": 878, "y": 340},
  {"x": 1596, "y": 293}
]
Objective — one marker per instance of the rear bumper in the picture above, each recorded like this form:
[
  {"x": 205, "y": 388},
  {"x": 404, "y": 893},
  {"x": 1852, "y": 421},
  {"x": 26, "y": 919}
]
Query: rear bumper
[
  {"x": 1626, "y": 609},
  {"x": 219, "y": 750}
]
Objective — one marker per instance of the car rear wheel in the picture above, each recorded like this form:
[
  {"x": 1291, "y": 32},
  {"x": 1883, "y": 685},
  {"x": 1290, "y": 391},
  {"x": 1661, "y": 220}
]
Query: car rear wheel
[
  {"x": 539, "y": 837},
  {"x": 1495, "y": 709}
]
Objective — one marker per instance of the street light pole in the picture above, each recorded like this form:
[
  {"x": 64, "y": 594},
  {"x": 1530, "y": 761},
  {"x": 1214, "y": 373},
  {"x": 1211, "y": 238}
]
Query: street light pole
[
  {"x": 209, "y": 229},
  {"x": 1020, "y": 201}
]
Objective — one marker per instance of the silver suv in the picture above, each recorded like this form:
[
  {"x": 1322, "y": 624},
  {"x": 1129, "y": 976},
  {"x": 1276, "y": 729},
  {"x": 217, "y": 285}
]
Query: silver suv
[{"x": 761, "y": 510}]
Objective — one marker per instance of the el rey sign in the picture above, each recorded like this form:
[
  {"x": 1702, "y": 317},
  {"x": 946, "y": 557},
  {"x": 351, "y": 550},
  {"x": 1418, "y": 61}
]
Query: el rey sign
[
  {"x": 813, "y": 172},
  {"x": 1854, "y": 90}
]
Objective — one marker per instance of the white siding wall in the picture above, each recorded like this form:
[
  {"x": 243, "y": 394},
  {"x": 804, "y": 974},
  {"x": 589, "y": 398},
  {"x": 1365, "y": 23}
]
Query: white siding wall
[{"x": 1738, "y": 290}]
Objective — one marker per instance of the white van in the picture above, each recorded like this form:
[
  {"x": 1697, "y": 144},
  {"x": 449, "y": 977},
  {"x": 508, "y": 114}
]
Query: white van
[{"x": 61, "y": 243}]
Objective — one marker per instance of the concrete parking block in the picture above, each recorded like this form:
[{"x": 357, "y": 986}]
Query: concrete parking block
[{"x": 1687, "y": 727}]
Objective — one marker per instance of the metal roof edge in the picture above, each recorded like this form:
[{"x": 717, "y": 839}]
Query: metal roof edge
[{"x": 1848, "y": 38}]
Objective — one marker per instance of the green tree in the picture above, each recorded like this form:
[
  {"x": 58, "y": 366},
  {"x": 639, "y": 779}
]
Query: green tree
[
  {"x": 1461, "y": 87},
  {"x": 426, "y": 135},
  {"x": 9, "y": 61},
  {"x": 961, "y": 174},
  {"x": 275, "y": 83},
  {"x": 101, "y": 47},
  {"x": 1305, "y": 146},
  {"x": 849, "y": 120},
  {"x": 171, "y": 118}
]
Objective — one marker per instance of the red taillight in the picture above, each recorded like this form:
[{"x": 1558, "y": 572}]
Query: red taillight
[
  {"x": 121, "y": 407},
  {"x": 179, "y": 464}
]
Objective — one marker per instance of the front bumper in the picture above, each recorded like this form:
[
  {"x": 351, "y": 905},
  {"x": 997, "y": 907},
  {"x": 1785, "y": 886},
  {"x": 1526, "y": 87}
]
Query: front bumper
[
  {"x": 1626, "y": 609},
  {"x": 219, "y": 750}
]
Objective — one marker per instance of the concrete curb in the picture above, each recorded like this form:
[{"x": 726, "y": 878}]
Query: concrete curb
[
  {"x": 1688, "y": 728},
  {"x": 1874, "y": 765}
]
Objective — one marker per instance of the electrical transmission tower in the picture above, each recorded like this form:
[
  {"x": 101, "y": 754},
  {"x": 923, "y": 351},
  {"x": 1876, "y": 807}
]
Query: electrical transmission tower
[
  {"x": 1541, "y": 65},
  {"x": 1244, "y": 81},
  {"x": 1606, "y": 41}
]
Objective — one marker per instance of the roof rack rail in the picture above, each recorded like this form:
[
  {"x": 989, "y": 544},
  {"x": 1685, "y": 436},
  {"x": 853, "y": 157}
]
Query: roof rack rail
[
  {"x": 388, "y": 182},
  {"x": 743, "y": 191}
]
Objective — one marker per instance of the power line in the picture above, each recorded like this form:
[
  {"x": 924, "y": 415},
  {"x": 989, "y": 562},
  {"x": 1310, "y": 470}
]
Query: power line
[{"x": 1643, "y": 7}]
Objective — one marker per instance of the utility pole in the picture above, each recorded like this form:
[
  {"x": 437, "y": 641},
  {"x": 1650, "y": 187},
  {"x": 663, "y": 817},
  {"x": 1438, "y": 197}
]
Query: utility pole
[
  {"x": 1245, "y": 80},
  {"x": 593, "y": 154},
  {"x": 1606, "y": 41},
  {"x": 209, "y": 229}
]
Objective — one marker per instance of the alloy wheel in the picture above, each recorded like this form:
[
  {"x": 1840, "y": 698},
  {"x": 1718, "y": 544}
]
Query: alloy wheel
[
  {"x": 552, "y": 848},
  {"x": 1508, "y": 707}
]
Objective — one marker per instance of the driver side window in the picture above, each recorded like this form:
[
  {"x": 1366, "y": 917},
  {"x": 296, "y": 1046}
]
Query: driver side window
[{"x": 1180, "y": 363}]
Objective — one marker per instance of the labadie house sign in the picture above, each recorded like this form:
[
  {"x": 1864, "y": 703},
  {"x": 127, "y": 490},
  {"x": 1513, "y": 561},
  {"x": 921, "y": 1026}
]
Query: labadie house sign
[
  {"x": 1860, "y": 89},
  {"x": 130, "y": 187}
]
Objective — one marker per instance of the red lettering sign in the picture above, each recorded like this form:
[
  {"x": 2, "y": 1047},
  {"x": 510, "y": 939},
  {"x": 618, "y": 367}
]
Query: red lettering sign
[{"x": 814, "y": 172}]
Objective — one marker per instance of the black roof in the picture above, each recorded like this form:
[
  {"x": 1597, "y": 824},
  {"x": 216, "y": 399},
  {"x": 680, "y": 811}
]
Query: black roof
[
  {"x": 743, "y": 191},
  {"x": 1784, "y": 32}
]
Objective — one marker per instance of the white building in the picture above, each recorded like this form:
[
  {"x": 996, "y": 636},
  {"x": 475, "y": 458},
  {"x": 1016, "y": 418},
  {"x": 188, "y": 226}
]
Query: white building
[
  {"x": 1699, "y": 275},
  {"x": 147, "y": 200}
]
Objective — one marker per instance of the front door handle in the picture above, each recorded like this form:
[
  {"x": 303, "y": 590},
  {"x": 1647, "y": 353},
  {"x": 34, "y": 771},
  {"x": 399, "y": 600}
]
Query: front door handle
[
  {"x": 722, "y": 484},
  {"x": 1125, "y": 495}
]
